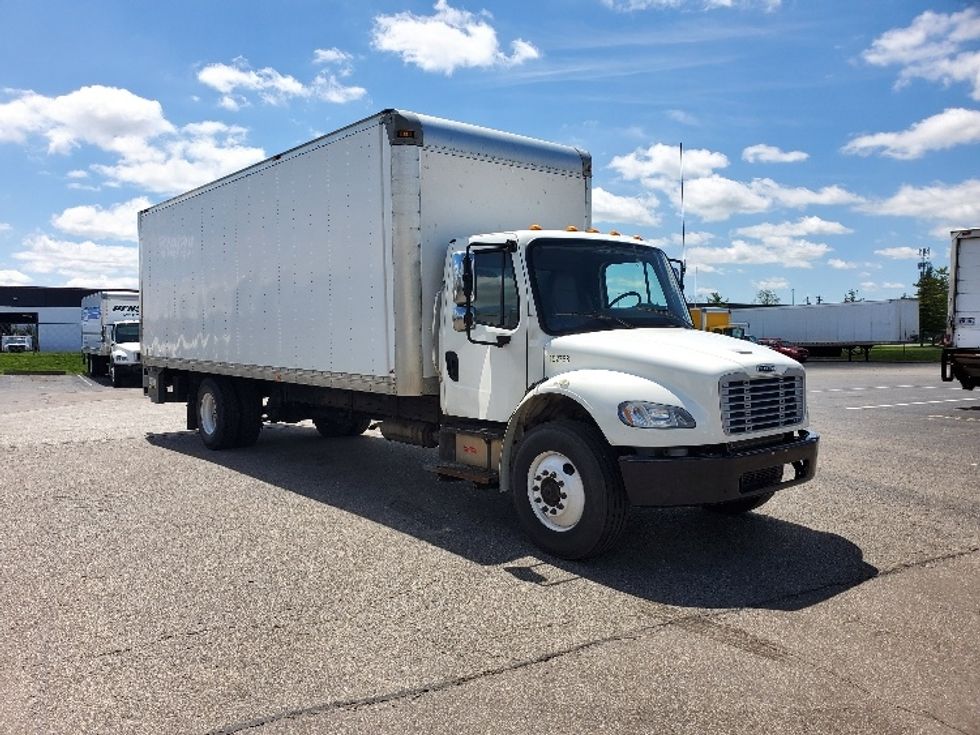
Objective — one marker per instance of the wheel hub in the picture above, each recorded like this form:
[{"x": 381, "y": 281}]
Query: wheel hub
[{"x": 556, "y": 491}]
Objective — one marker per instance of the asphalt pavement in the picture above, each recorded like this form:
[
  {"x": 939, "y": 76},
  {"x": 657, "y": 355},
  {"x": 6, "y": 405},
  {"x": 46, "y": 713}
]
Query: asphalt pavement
[{"x": 317, "y": 586}]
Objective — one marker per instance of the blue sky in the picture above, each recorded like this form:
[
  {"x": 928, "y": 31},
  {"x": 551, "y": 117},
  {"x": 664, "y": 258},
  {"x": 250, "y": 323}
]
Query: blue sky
[{"x": 826, "y": 142}]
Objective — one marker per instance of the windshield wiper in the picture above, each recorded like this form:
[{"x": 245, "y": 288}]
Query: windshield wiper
[
  {"x": 664, "y": 312},
  {"x": 598, "y": 315}
]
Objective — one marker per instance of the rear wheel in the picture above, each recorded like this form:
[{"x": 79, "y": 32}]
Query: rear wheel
[
  {"x": 218, "y": 413},
  {"x": 568, "y": 492}
]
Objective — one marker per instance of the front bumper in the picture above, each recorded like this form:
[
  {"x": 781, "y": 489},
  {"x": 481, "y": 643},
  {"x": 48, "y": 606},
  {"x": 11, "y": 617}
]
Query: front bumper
[
  {"x": 128, "y": 368},
  {"x": 716, "y": 478}
]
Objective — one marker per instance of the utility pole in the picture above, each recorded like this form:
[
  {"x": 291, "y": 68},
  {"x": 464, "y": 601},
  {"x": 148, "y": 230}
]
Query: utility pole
[{"x": 792, "y": 296}]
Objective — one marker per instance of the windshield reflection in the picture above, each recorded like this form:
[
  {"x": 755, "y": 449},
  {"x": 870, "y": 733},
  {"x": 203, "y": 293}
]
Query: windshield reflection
[{"x": 586, "y": 286}]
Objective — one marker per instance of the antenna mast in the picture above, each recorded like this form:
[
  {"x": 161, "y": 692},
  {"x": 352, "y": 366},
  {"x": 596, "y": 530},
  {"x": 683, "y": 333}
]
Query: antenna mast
[{"x": 683, "y": 223}]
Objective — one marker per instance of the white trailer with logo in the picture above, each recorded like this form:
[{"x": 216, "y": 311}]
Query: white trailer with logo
[
  {"x": 961, "y": 351},
  {"x": 110, "y": 334},
  {"x": 443, "y": 279}
]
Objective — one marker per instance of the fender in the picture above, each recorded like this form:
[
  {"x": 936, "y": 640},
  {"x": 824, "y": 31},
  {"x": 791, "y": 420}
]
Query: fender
[{"x": 599, "y": 393}]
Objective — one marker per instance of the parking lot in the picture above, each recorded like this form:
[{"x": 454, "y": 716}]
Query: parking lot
[{"x": 315, "y": 586}]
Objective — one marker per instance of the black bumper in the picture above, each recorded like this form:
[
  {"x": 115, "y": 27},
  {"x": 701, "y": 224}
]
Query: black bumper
[{"x": 666, "y": 481}]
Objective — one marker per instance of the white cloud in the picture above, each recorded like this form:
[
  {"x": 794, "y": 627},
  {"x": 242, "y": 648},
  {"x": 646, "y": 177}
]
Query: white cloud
[
  {"x": 331, "y": 56},
  {"x": 802, "y": 227},
  {"x": 631, "y": 5},
  {"x": 842, "y": 265},
  {"x": 799, "y": 197},
  {"x": 709, "y": 195},
  {"x": 955, "y": 206},
  {"x": 14, "y": 278},
  {"x": 117, "y": 222},
  {"x": 77, "y": 174},
  {"x": 116, "y": 264},
  {"x": 937, "y": 47},
  {"x": 201, "y": 152},
  {"x": 150, "y": 152},
  {"x": 684, "y": 118},
  {"x": 952, "y": 127},
  {"x": 771, "y": 284},
  {"x": 900, "y": 253},
  {"x": 714, "y": 198},
  {"x": 275, "y": 88},
  {"x": 449, "y": 39},
  {"x": 608, "y": 207},
  {"x": 4, "y": 227},
  {"x": 763, "y": 153},
  {"x": 110, "y": 118},
  {"x": 785, "y": 251},
  {"x": 660, "y": 161},
  {"x": 99, "y": 281}
]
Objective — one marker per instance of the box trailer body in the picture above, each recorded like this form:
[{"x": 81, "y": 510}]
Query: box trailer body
[
  {"x": 443, "y": 279},
  {"x": 849, "y": 325},
  {"x": 322, "y": 264},
  {"x": 961, "y": 351},
  {"x": 110, "y": 334}
]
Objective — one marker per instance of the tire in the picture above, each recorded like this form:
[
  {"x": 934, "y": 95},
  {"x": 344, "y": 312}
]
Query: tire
[
  {"x": 114, "y": 377},
  {"x": 341, "y": 425},
  {"x": 250, "y": 413},
  {"x": 740, "y": 506},
  {"x": 581, "y": 510},
  {"x": 218, "y": 413}
]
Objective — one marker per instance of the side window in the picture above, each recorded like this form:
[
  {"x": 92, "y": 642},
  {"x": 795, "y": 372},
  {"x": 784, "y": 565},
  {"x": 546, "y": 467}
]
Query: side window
[
  {"x": 495, "y": 302},
  {"x": 630, "y": 284}
]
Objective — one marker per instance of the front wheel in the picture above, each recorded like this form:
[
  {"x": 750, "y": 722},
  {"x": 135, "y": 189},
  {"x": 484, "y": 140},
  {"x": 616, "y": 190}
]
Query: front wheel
[
  {"x": 114, "y": 377},
  {"x": 568, "y": 492}
]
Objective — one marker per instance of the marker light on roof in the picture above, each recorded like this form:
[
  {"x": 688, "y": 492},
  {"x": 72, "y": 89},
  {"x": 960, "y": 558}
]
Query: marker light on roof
[
  {"x": 534, "y": 227},
  {"x": 613, "y": 232},
  {"x": 592, "y": 229},
  {"x": 571, "y": 228}
]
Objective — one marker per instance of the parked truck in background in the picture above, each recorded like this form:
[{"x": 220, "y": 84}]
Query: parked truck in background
[
  {"x": 829, "y": 329},
  {"x": 111, "y": 335},
  {"x": 443, "y": 279},
  {"x": 16, "y": 343},
  {"x": 961, "y": 347}
]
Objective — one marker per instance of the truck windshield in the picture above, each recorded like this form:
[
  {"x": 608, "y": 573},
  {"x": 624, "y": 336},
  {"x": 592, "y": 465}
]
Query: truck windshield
[
  {"x": 127, "y": 333},
  {"x": 588, "y": 285}
]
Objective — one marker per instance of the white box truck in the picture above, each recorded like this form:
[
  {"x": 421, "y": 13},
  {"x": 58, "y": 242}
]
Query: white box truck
[
  {"x": 373, "y": 274},
  {"x": 826, "y": 329},
  {"x": 111, "y": 335},
  {"x": 961, "y": 350}
]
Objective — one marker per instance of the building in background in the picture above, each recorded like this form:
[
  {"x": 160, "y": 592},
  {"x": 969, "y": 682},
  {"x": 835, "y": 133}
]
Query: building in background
[{"x": 53, "y": 316}]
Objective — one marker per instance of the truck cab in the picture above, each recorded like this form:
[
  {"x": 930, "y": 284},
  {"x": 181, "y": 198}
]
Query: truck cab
[
  {"x": 579, "y": 348},
  {"x": 123, "y": 338}
]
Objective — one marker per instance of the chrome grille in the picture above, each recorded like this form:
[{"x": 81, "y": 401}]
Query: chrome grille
[{"x": 761, "y": 403}]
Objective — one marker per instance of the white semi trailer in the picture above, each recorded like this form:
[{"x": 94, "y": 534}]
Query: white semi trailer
[
  {"x": 373, "y": 274},
  {"x": 961, "y": 351},
  {"x": 829, "y": 328},
  {"x": 111, "y": 335}
]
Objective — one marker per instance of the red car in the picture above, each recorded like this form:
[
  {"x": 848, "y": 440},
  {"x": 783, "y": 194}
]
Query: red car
[{"x": 800, "y": 354}]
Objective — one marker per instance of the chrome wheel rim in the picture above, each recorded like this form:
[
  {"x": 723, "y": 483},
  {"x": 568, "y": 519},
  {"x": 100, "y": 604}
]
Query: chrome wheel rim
[
  {"x": 555, "y": 491},
  {"x": 208, "y": 413}
]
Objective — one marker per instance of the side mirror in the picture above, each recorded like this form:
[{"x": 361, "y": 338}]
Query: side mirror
[
  {"x": 462, "y": 318},
  {"x": 462, "y": 268}
]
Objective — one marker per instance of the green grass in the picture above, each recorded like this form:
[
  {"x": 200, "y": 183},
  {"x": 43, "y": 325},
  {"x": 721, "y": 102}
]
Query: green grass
[
  {"x": 904, "y": 353},
  {"x": 12, "y": 363}
]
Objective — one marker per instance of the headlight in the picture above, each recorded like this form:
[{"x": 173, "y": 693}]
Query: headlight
[{"x": 645, "y": 415}]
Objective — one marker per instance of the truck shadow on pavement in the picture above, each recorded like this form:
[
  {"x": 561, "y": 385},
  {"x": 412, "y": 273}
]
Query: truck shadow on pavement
[{"x": 682, "y": 557}]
